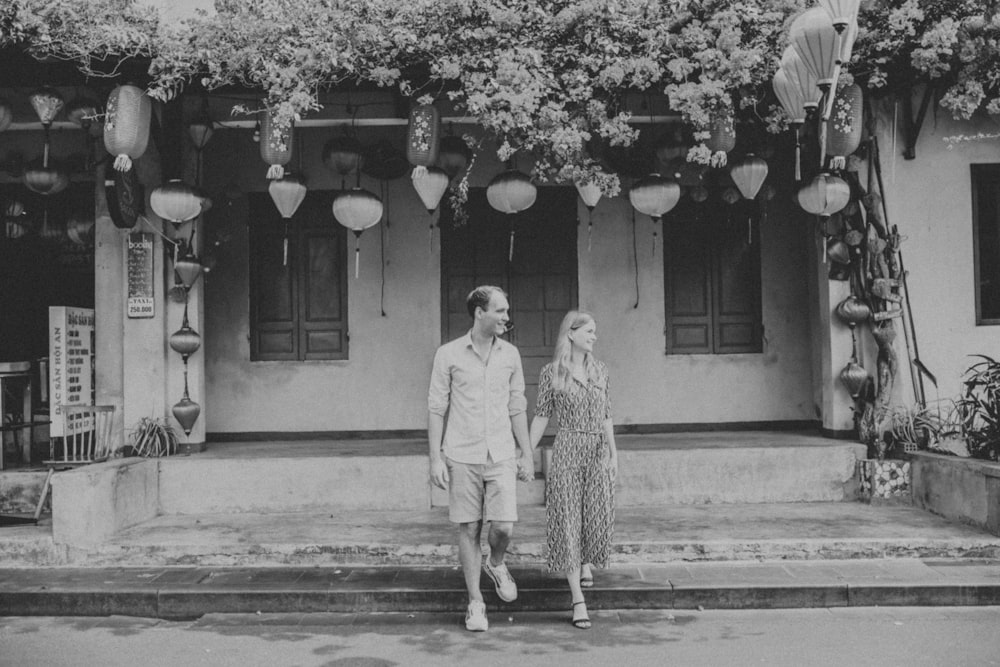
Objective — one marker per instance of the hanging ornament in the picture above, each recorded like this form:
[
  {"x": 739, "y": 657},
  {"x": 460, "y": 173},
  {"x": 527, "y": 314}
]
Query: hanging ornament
[
  {"x": 287, "y": 193},
  {"x": 654, "y": 196},
  {"x": 730, "y": 195},
  {"x": 590, "y": 194},
  {"x": 422, "y": 136},
  {"x": 792, "y": 101},
  {"x": 80, "y": 231},
  {"x": 430, "y": 184},
  {"x": 126, "y": 125},
  {"x": 824, "y": 195},
  {"x": 357, "y": 209},
  {"x": 47, "y": 103},
  {"x": 843, "y": 133},
  {"x": 187, "y": 269},
  {"x": 749, "y": 174},
  {"x": 126, "y": 197},
  {"x": 699, "y": 193},
  {"x": 45, "y": 179},
  {"x": 721, "y": 140},
  {"x": 838, "y": 251},
  {"x": 275, "y": 145},
  {"x": 342, "y": 155},
  {"x": 815, "y": 39},
  {"x": 175, "y": 201},
  {"x": 511, "y": 192},
  {"x": 185, "y": 341},
  {"x": 854, "y": 377},
  {"x": 6, "y": 114},
  {"x": 852, "y": 311},
  {"x": 453, "y": 155},
  {"x": 186, "y": 411}
]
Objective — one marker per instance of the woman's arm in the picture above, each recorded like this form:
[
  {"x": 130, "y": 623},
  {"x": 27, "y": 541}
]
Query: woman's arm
[
  {"x": 538, "y": 425},
  {"x": 609, "y": 435}
]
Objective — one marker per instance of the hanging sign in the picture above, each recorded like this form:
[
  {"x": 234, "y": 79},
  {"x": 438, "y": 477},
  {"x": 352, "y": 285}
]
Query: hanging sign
[
  {"x": 140, "y": 276},
  {"x": 71, "y": 369}
]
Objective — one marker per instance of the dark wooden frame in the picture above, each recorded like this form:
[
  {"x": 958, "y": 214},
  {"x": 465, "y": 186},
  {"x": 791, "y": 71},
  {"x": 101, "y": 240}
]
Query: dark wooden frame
[{"x": 985, "y": 178}]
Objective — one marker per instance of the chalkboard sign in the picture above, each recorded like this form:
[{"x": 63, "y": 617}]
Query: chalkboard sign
[{"x": 140, "y": 275}]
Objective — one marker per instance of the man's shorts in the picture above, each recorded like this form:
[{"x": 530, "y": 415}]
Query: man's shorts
[{"x": 482, "y": 491}]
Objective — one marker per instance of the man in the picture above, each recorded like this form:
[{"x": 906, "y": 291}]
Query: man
[{"x": 478, "y": 382}]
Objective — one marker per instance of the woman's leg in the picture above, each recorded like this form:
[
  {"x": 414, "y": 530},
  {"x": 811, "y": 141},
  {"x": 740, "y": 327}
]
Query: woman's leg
[{"x": 580, "y": 617}]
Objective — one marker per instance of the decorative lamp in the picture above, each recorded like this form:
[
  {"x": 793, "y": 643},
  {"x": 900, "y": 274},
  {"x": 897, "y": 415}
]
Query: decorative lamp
[
  {"x": 801, "y": 77},
  {"x": 15, "y": 229},
  {"x": 838, "y": 251},
  {"x": 590, "y": 194},
  {"x": 80, "y": 231},
  {"x": 824, "y": 195},
  {"x": 6, "y": 114},
  {"x": 186, "y": 411},
  {"x": 453, "y": 155},
  {"x": 788, "y": 93},
  {"x": 287, "y": 193},
  {"x": 126, "y": 197},
  {"x": 430, "y": 184},
  {"x": 841, "y": 12},
  {"x": 342, "y": 155},
  {"x": 721, "y": 140},
  {"x": 815, "y": 39},
  {"x": 14, "y": 209},
  {"x": 511, "y": 191},
  {"x": 45, "y": 179},
  {"x": 275, "y": 145},
  {"x": 654, "y": 196},
  {"x": 852, "y": 311},
  {"x": 187, "y": 270},
  {"x": 422, "y": 136},
  {"x": 357, "y": 209},
  {"x": 854, "y": 377},
  {"x": 47, "y": 103},
  {"x": 175, "y": 201},
  {"x": 730, "y": 195},
  {"x": 185, "y": 341},
  {"x": 843, "y": 132},
  {"x": 126, "y": 125},
  {"x": 201, "y": 130},
  {"x": 749, "y": 174}
]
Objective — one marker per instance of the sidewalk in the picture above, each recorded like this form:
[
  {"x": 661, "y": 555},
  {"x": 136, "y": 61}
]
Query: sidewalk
[{"x": 190, "y": 592}]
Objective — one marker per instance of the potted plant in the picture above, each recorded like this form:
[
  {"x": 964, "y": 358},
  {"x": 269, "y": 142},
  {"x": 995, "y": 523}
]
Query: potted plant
[
  {"x": 979, "y": 409},
  {"x": 153, "y": 437}
]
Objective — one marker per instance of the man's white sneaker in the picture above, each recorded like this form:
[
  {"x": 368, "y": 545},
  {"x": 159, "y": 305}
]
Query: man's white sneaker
[
  {"x": 475, "y": 617},
  {"x": 506, "y": 588}
]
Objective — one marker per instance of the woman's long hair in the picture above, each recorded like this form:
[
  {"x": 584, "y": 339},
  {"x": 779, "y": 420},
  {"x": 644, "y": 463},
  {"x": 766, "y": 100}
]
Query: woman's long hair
[{"x": 562, "y": 369}]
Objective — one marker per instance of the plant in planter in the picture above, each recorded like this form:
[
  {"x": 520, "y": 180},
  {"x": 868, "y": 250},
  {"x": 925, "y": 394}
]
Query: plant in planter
[
  {"x": 153, "y": 437},
  {"x": 979, "y": 408},
  {"x": 935, "y": 427}
]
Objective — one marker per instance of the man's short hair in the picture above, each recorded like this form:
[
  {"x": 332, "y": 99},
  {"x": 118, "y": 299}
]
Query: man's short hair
[{"x": 480, "y": 298}]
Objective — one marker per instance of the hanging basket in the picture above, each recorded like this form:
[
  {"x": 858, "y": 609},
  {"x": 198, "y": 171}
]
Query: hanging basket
[
  {"x": 275, "y": 145},
  {"x": 126, "y": 125}
]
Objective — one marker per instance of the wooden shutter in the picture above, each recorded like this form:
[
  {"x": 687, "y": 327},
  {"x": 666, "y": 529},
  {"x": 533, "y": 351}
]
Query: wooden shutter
[{"x": 688, "y": 285}]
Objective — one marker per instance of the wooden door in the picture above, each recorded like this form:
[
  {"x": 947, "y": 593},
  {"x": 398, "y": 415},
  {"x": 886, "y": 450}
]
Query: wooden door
[{"x": 540, "y": 276}]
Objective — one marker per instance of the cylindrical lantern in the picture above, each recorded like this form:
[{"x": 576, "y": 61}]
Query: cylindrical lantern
[
  {"x": 721, "y": 140},
  {"x": 275, "y": 145},
  {"x": 6, "y": 114},
  {"x": 853, "y": 311},
  {"x": 511, "y": 191},
  {"x": 654, "y": 196},
  {"x": 843, "y": 132},
  {"x": 287, "y": 193},
  {"x": 749, "y": 174},
  {"x": 126, "y": 125},
  {"x": 430, "y": 184},
  {"x": 357, "y": 209},
  {"x": 825, "y": 194},
  {"x": 126, "y": 197},
  {"x": 44, "y": 180},
  {"x": 175, "y": 201},
  {"x": 422, "y": 135},
  {"x": 453, "y": 155},
  {"x": 47, "y": 103},
  {"x": 342, "y": 155},
  {"x": 854, "y": 377}
]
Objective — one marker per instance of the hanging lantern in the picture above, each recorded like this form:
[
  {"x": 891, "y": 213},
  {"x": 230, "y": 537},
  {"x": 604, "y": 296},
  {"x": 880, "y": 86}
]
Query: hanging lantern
[
  {"x": 201, "y": 130},
  {"x": 187, "y": 270},
  {"x": 841, "y": 12},
  {"x": 854, "y": 377},
  {"x": 275, "y": 145},
  {"x": 511, "y": 191},
  {"x": 843, "y": 134},
  {"x": 749, "y": 174},
  {"x": 82, "y": 112},
  {"x": 185, "y": 341},
  {"x": 47, "y": 103},
  {"x": 14, "y": 229},
  {"x": 342, "y": 155},
  {"x": 430, "y": 185},
  {"x": 126, "y": 198},
  {"x": 815, "y": 39},
  {"x": 80, "y": 231},
  {"x": 838, "y": 251},
  {"x": 45, "y": 180},
  {"x": 175, "y": 201},
  {"x": 590, "y": 194},
  {"x": 824, "y": 195},
  {"x": 287, "y": 193},
  {"x": 853, "y": 311},
  {"x": 6, "y": 115},
  {"x": 802, "y": 78},
  {"x": 721, "y": 140},
  {"x": 186, "y": 412},
  {"x": 453, "y": 155},
  {"x": 654, "y": 196},
  {"x": 357, "y": 210},
  {"x": 789, "y": 96},
  {"x": 730, "y": 195},
  {"x": 422, "y": 136},
  {"x": 699, "y": 193},
  {"x": 126, "y": 125},
  {"x": 14, "y": 209}
]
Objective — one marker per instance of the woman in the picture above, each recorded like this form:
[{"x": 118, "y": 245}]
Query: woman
[{"x": 579, "y": 486}]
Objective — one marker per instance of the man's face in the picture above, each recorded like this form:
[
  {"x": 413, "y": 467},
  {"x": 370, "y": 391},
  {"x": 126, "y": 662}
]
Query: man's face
[{"x": 493, "y": 320}]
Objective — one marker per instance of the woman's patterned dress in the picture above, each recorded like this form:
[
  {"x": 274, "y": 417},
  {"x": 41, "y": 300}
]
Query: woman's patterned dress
[{"x": 579, "y": 490}]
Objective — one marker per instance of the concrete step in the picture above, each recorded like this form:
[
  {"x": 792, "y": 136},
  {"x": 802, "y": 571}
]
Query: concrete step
[{"x": 191, "y": 592}]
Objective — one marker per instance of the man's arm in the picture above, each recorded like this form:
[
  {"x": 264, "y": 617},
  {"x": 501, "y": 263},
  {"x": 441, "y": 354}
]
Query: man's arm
[
  {"x": 438, "y": 469},
  {"x": 517, "y": 407},
  {"x": 438, "y": 396}
]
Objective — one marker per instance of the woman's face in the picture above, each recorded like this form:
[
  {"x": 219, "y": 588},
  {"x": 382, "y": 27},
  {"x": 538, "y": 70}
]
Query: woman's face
[{"x": 584, "y": 337}]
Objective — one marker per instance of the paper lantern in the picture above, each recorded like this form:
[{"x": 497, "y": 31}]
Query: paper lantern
[
  {"x": 749, "y": 174},
  {"x": 15, "y": 229},
  {"x": 6, "y": 115},
  {"x": 843, "y": 132},
  {"x": 287, "y": 193},
  {"x": 14, "y": 209},
  {"x": 841, "y": 12},
  {"x": 342, "y": 155},
  {"x": 790, "y": 97},
  {"x": 730, "y": 195},
  {"x": 802, "y": 78},
  {"x": 654, "y": 196},
  {"x": 838, "y": 251},
  {"x": 80, "y": 231},
  {"x": 126, "y": 125},
  {"x": 175, "y": 201},
  {"x": 45, "y": 180},
  {"x": 47, "y": 103},
  {"x": 430, "y": 184},
  {"x": 453, "y": 155},
  {"x": 186, "y": 412},
  {"x": 187, "y": 269},
  {"x": 357, "y": 209},
  {"x": 699, "y": 193},
  {"x": 853, "y": 311},
  {"x": 422, "y": 135},
  {"x": 815, "y": 40},
  {"x": 824, "y": 195},
  {"x": 511, "y": 192},
  {"x": 126, "y": 197},
  {"x": 721, "y": 139},
  {"x": 185, "y": 341},
  {"x": 275, "y": 145},
  {"x": 854, "y": 377},
  {"x": 590, "y": 194}
]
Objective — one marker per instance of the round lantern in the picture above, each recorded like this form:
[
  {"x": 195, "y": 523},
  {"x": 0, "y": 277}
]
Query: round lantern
[
  {"x": 511, "y": 191},
  {"x": 824, "y": 195},
  {"x": 854, "y": 377},
  {"x": 6, "y": 115},
  {"x": 45, "y": 180},
  {"x": 838, "y": 251},
  {"x": 699, "y": 193},
  {"x": 430, "y": 184},
  {"x": 175, "y": 201},
  {"x": 654, "y": 196},
  {"x": 126, "y": 125},
  {"x": 275, "y": 145},
  {"x": 126, "y": 197},
  {"x": 287, "y": 193},
  {"x": 357, "y": 209},
  {"x": 14, "y": 209},
  {"x": 852, "y": 311},
  {"x": 422, "y": 136},
  {"x": 721, "y": 139},
  {"x": 342, "y": 155},
  {"x": 730, "y": 195},
  {"x": 843, "y": 131},
  {"x": 186, "y": 412},
  {"x": 185, "y": 341},
  {"x": 453, "y": 155},
  {"x": 749, "y": 174},
  {"x": 187, "y": 270}
]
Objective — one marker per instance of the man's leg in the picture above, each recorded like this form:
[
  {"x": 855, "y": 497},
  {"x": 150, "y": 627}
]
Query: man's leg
[
  {"x": 470, "y": 554},
  {"x": 499, "y": 537}
]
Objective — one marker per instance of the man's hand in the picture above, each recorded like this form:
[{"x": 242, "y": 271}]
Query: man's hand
[
  {"x": 439, "y": 474},
  {"x": 526, "y": 467}
]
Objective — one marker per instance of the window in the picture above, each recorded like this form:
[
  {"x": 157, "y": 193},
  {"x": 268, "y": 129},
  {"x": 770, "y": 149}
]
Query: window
[
  {"x": 711, "y": 269},
  {"x": 298, "y": 311},
  {"x": 986, "y": 241}
]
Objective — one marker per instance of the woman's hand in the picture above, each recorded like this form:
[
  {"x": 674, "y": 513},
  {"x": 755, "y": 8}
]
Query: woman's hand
[{"x": 613, "y": 465}]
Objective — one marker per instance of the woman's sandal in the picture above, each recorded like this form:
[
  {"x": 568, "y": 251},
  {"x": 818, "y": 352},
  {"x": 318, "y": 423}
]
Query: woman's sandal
[
  {"x": 581, "y": 622},
  {"x": 587, "y": 581}
]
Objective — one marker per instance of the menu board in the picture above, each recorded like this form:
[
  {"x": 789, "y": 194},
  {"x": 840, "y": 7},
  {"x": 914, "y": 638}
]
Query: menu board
[
  {"x": 71, "y": 370},
  {"x": 140, "y": 276}
]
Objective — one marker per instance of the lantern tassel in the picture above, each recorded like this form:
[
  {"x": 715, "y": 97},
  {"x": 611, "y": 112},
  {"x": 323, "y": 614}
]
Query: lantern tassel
[
  {"x": 284, "y": 252},
  {"x": 838, "y": 162},
  {"x": 798, "y": 155},
  {"x": 749, "y": 231},
  {"x": 418, "y": 172},
  {"x": 510, "y": 252},
  {"x": 719, "y": 159},
  {"x": 275, "y": 171},
  {"x": 357, "y": 260},
  {"x": 590, "y": 234},
  {"x": 654, "y": 239},
  {"x": 123, "y": 162}
]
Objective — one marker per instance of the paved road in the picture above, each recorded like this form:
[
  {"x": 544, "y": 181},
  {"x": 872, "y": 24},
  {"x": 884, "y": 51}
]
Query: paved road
[{"x": 870, "y": 636}]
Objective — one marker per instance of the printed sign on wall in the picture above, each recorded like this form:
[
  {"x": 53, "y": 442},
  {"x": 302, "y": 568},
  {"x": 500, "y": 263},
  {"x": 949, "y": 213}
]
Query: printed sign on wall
[
  {"x": 140, "y": 276},
  {"x": 71, "y": 372}
]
